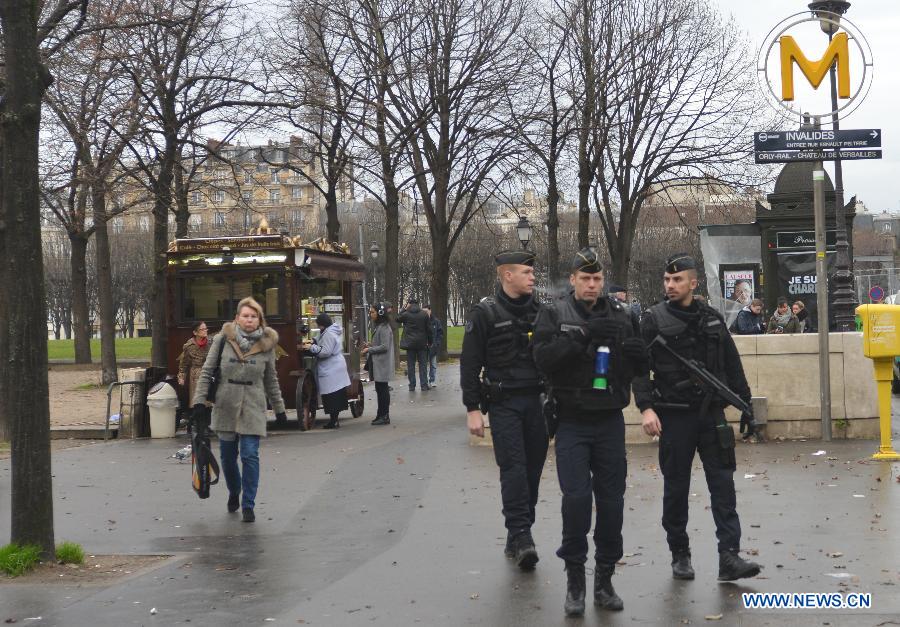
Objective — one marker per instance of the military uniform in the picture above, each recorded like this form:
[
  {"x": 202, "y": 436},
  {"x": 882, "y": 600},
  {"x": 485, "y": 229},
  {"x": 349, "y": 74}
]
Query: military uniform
[
  {"x": 689, "y": 417},
  {"x": 497, "y": 371},
  {"x": 590, "y": 440}
]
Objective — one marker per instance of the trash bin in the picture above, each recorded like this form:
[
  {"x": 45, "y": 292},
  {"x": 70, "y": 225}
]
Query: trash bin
[{"x": 162, "y": 401}]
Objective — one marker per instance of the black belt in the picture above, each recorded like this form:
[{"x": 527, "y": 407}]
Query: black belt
[{"x": 240, "y": 382}]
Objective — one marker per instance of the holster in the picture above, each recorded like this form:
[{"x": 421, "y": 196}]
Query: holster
[{"x": 548, "y": 408}]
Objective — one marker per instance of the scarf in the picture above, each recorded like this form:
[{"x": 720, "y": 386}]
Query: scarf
[
  {"x": 246, "y": 340},
  {"x": 783, "y": 319},
  {"x": 201, "y": 341}
]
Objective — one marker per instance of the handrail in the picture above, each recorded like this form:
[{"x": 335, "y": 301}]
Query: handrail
[{"x": 109, "y": 403}]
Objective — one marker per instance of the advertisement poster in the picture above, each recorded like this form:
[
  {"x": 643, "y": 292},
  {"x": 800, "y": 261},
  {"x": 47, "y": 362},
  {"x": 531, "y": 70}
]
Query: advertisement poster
[
  {"x": 738, "y": 285},
  {"x": 797, "y": 281}
]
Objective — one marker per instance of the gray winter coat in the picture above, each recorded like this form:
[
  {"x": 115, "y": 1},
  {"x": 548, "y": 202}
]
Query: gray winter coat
[
  {"x": 382, "y": 352},
  {"x": 246, "y": 380},
  {"x": 331, "y": 367}
]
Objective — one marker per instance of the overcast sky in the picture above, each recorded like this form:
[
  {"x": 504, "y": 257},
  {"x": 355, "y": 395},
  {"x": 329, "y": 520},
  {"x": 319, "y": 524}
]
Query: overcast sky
[{"x": 876, "y": 183}]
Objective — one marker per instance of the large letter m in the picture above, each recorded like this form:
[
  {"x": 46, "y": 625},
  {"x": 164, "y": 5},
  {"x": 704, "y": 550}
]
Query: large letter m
[{"x": 838, "y": 51}]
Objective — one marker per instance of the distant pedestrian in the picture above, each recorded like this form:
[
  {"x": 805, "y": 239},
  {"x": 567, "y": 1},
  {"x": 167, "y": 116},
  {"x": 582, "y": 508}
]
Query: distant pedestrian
[
  {"x": 193, "y": 355},
  {"x": 244, "y": 352},
  {"x": 749, "y": 320},
  {"x": 621, "y": 295},
  {"x": 799, "y": 310},
  {"x": 382, "y": 351},
  {"x": 415, "y": 341},
  {"x": 437, "y": 337},
  {"x": 783, "y": 320},
  {"x": 331, "y": 369}
]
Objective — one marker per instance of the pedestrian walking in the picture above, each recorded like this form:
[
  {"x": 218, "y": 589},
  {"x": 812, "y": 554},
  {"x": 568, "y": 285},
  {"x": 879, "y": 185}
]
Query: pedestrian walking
[
  {"x": 687, "y": 420},
  {"x": 244, "y": 356},
  {"x": 588, "y": 346},
  {"x": 415, "y": 341},
  {"x": 331, "y": 368},
  {"x": 193, "y": 354},
  {"x": 437, "y": 338},
  {"x": 382, "y": 351},
  {"x": 498, "y": 376}
]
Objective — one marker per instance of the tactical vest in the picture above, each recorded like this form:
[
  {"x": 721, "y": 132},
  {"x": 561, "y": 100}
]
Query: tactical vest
[
  {"x": 508, "y": 360},
  {"x": 703, "y": 341},
  {"x": 573, "y": 385}
]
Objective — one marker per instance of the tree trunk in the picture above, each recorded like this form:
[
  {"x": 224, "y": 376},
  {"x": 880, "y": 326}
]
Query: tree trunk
[
  {"x": 104, "y": 289},
  {"x": 182, "y": 212},
  {"x": 333, "y": 224},
  {"x": 24, "y": 345},
  {"x": 440, "y": 269},
  {"x": 80, "y": 313},
  {"x": 553, "y": 231},
  {"x": 161, "y": 206}
]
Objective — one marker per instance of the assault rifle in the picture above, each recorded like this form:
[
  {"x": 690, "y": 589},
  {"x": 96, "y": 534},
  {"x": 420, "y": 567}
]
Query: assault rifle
[{"x": 711, "y": 385}]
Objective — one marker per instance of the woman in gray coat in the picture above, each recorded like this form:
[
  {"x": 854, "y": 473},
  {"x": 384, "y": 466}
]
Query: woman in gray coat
[
  {"x": 331, "y": 368},
  {"x": 244, "y": 352},
  {"x": 382, "y": 351}
]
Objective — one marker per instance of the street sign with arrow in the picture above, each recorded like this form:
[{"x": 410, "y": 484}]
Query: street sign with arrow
[{"x": 769, "y": 141}]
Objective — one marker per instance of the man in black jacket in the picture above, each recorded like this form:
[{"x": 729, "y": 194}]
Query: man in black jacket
[
  {"x": 749, "y": 320},
  {"x": 688, "y": 420},
  {"x": 497, "y": 345},
  {"x": 588, "y": 347},
  {"x": 415, "y": 341}
]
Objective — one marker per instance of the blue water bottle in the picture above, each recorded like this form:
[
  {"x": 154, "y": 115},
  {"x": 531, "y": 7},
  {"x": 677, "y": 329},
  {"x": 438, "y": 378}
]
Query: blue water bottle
[{"x": 601, "y": 368}]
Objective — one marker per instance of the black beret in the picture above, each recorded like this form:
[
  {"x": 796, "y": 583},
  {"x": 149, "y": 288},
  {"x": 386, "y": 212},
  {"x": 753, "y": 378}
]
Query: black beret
[
  {"x": 613, "y": 288},
  {"x": 679, "y": 262},
  {"x": 586, "y": 260},
  {"x": 521, "y": 257}
]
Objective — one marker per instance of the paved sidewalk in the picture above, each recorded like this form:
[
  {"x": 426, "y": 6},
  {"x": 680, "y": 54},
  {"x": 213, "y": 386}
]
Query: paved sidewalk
[{"x": 401, "y": 525}]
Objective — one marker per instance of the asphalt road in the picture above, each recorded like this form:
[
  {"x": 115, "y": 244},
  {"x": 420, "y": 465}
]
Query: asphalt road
[{"x": 401, "y": 525}]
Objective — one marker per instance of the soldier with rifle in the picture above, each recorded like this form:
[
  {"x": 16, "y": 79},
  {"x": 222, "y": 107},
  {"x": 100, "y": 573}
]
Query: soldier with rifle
[{"x": 697, "y": 372}]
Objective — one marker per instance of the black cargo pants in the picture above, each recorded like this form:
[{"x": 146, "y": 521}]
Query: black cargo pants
[
  {"x": 519, "y": 434},
  {"x": 683, "y": 434}
]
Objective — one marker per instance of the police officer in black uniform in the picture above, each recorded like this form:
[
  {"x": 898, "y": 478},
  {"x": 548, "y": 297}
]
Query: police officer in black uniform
[
  {"x": 686, "y": 417},
  {"x": 590, "y": 440},
  {"x": 497, "y": 374}
]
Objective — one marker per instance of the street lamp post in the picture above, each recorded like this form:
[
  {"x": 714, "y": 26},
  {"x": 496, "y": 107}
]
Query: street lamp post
[
  {"x": 374, "y": 250},
  {"x": 829, "y": 13},
  {"x": 523, "y": 231}
]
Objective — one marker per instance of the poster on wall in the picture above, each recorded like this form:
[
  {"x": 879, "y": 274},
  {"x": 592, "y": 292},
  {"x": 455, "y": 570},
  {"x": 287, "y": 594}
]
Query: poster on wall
[
  {"x": 797, "y": 281},
  {"x": 739, "y": 286}
]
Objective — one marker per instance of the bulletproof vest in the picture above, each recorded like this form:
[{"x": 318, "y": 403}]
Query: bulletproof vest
[
  {"x": 573, "y": 384},
  {"x": 508, "y": 358},
  {"x": 702, "y": 339}
]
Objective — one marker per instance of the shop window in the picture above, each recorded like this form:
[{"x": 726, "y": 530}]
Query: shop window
[{"x": 205, "y": 298}]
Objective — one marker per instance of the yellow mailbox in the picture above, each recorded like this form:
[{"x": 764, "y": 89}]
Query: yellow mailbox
[{"x": 881, "y": 343}]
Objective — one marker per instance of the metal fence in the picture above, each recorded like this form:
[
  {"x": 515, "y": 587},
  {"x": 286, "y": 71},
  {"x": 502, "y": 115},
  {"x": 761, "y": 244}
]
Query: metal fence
[{"x": 888, "y": 279}]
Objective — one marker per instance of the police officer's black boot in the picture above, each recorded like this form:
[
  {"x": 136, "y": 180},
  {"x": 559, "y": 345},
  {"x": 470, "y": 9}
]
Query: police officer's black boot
[
  {"x": 604, "y": 594},
  {"x": 681, "y": 565},
  {"x": 382, "y": 420},
  {"x": 510, "y": 549},
  {"x": 526, "y": 554},
  {"x": 732, "y": 566},
  {"x": 575, "y": 586}
]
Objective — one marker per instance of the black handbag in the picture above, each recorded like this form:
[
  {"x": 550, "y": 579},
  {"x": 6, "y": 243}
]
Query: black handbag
[
  {"x": 204, "y": 467},
  {"x": 216, "y": 376},
  {"x": 368, "y": 366}
]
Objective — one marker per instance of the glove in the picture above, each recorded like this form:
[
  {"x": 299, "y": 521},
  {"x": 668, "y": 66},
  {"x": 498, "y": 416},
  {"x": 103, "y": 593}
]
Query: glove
[
  {"x": 281, "y": 417},
  {"x": 601, "y": 329},
  {"x": 634, "y": 349},
  {"x": 748, "y": 424}
]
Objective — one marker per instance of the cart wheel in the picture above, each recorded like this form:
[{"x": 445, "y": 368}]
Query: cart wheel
[
  {"x": 306, "y": 403},
  {"x": 357, "y": 406}
]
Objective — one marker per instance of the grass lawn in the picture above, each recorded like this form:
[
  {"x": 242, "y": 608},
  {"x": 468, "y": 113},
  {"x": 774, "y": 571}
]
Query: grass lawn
[
  {"x": 454, "y": 338},
  {"x": 126, "y": 348}
]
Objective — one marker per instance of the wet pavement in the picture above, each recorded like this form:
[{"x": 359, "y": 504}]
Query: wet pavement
[{"x": 401, "y": 525}]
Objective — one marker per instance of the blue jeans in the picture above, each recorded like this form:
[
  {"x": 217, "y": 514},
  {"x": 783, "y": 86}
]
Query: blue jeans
[
  {"x": 420, "y": 356},
  {"x": 432, "y": 367},
  {"x": 245, "y": 486}
]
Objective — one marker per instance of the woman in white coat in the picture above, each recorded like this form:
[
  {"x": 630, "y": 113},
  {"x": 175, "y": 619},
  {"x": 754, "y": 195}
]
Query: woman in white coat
[{"x": 331, "y": 368}]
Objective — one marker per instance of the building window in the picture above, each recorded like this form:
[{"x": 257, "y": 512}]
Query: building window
[
  {"x": 218, "y": 196},
  {"x": 219, "y": 220},
  {"x": 275, "y": 196},
  {"x": 248, "y": 177},
  {"x": 296, "y": 219},
  {"x": 296, "y": 193},
  {"x": 248, "y": 219},
  {"x": 195, "y": 221},
  {"x": 118, "y": 224},
  {"x": 196, "y": 198},
  {"x": 247, "y": 197},
  {"x": 144, "y": 223},
  {"x": 275, "y": 177}
]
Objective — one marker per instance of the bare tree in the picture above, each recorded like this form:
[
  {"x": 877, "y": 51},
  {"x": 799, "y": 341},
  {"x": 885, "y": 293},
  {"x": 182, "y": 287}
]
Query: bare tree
[
  {"x": 28, "y": 36},
  {"x": 458, "y": 65},
  {"x": 681, "y": 107},
  {"x": 188, "y": 65}
]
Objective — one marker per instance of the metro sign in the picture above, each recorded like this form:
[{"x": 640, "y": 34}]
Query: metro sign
[{"x": 786, "y": 51}]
